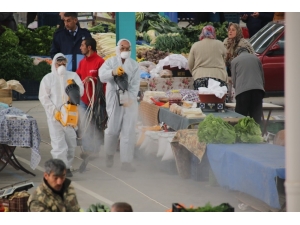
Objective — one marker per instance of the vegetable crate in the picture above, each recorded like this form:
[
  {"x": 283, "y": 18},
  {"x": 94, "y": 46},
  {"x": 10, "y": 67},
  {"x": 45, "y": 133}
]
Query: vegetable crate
[
  {"x": 178, "y": 72},
  {"x": 31, "y": 91},
  {"x": 211, "y": 101},
  {"x": 232, "y": 17},
  {"x": 16, "y": 204},
  {"x": 6, "y": 96}
]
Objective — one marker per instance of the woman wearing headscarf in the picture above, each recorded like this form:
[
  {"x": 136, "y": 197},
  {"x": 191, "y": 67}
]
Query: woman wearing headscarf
[
  {"x": 206, "y": 59},
  {"x": 234, "y": 41}
]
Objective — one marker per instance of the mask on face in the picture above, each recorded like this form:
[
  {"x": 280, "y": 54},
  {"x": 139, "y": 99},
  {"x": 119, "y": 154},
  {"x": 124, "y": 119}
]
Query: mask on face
[
  {"x": 61, "y": 70},
  {"x": 125, "y": 55}
]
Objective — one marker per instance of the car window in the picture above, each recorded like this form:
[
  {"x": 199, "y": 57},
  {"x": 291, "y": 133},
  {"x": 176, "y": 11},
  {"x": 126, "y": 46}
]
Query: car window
[
  {"x": 265, "y": 36},
  {"x": 281, "y": 45}
]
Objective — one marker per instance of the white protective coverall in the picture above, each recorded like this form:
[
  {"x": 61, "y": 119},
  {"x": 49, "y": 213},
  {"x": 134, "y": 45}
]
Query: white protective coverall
[
  {"x": 52, "y": 96},
  {"x": 121, "y": 120}
]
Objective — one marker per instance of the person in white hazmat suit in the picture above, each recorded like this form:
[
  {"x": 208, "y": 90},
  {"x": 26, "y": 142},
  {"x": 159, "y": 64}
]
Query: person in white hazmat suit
[
  {"x": 121, "y": 119},
  {"x": 52, "y": 96}
]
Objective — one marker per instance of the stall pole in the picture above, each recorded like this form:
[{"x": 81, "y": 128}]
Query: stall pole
[
  {"x": 125, "y": 28},
  {"x": 292, "y": 109}
]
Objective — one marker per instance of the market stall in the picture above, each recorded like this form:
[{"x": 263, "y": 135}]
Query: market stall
[
  {"x": 18, "y": 129},
  {"x": 266, "y": 106},
  {"x": 249, "y": 168},
  {"x": 178, "y": 122}
]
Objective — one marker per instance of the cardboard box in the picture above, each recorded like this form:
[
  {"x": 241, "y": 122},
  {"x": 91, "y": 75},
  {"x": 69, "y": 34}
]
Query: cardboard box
[{"x": 6, "y": 96}]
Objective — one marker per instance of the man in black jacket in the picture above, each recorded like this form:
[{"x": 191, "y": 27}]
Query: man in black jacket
[
  {"x": 7, "y": 19},
  {"x": 202, "y": 17},
  {"x": 68, "y": 41},
  {"x": 255, "y": 21}
]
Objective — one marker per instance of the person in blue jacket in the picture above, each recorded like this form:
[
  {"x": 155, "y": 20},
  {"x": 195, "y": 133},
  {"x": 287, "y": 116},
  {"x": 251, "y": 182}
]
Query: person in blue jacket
[
  {"x": 67, "y": 41},
  {"x": 255, "y": 21}
]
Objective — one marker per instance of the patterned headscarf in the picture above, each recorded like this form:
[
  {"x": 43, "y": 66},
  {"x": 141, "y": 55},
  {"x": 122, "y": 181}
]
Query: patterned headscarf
[
  {"x": 232, "y": 44},
  {"x": 208, "y": 32}
]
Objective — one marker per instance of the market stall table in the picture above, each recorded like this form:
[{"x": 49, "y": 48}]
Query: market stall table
[
  {"x": 266, "y": 106},
  {"x": 178, "y": 122},
  {"x": 249, "y": 168},
  {"x": 18, "y": 129}
]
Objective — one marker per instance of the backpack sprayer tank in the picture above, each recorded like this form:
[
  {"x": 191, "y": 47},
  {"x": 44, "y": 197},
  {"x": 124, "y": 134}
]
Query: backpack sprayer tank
[{"x": 69, "y": 111}]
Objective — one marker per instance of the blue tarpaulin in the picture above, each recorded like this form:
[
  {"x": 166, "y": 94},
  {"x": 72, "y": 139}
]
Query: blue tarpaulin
[{"x": 249, "y": 168}]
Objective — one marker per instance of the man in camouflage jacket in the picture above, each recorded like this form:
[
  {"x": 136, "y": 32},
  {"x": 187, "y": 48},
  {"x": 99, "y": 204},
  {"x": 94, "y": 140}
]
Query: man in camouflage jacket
[{"x": 55, "y": 193}]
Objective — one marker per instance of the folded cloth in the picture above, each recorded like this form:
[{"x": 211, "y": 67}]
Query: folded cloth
[{"x": 213, "y": 87}]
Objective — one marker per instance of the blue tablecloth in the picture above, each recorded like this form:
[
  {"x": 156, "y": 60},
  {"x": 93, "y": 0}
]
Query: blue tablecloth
[
  {"x": 249, "y": 168},
  {"x": 20, "y": 132}
]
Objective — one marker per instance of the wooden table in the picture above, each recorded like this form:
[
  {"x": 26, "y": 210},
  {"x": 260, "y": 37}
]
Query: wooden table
[{"x": 266, "y": 106}]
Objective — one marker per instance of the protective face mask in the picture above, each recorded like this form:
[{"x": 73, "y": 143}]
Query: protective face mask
[
  {"x": 61, "y": 70},
  {"x": 125, "y": 55}
]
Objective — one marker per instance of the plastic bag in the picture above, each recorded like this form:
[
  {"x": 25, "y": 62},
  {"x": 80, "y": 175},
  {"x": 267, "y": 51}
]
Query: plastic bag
[
  {"x": 168, "y": 155},
  {"x": 16, "y": 86},
  {"x": 145, "y": 142},
  {"x": 152, "y": 146},
  {"x": 145, "y": 75},
  {"x": 163, "y": 142}
]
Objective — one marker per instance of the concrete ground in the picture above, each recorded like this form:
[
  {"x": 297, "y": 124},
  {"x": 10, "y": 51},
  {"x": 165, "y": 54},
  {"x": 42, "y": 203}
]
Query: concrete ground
[{"x": 151, "y": 188}]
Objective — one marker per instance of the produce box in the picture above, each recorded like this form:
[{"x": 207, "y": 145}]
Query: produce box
[
  {"x": 274, "y": 127},
  {"x": 211, "y": 98},
  {"x": 17, "y": 202},
  {"x": 178, "y": 72},
  {"x": 6, "y": 96}
]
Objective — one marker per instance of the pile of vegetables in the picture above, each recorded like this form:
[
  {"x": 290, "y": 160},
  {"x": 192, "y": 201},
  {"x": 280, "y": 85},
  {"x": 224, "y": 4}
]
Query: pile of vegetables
[
  {"x": 15, "y": 63},
  {"x": 98, "y": 208},
  {"x": 154, "y": 21},
  {"x": 224, "y": 207},
  {"x": 152, "y": 55},
  {"x": 193, "y": 32},
  {"x": 215, "y": 130},
  {"x": 209, "y": 208},
  {"x": 248, "y": 131},
  {"x": 35, "y": 42},
  {"x": 173, "y": 42},
  {"x": 106, "y": 43}
]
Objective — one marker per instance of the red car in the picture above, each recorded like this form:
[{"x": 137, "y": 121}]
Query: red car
[{"x": 268, "y": 44}]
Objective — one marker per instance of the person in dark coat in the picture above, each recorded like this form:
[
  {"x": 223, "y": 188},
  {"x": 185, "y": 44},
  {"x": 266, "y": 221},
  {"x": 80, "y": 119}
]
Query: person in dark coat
[
  {"x": 255, "y": 21},
  {"x": 68, "y": 41},
  {"x": 202, "y": 17},
  {"x": 248, "y": 80},
  {"x": 7, "y": 19},
  {"x": 30, "y": 17}
]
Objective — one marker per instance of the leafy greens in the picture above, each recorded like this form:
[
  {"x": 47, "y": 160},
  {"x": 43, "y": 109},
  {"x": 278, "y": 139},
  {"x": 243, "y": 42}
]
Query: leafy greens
[{"x": 215, "y": 130}]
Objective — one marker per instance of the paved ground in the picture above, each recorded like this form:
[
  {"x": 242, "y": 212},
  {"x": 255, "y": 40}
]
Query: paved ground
[{"x": 151, "y": 189}]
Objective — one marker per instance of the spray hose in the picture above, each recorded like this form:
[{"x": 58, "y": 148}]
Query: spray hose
[{"x": 88, "y": 114}]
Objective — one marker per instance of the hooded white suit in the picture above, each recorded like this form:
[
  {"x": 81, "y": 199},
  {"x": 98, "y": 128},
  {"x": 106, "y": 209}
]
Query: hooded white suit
[
  {"x": 121, "y": 120},
  {"x": 52, "y": 96}
]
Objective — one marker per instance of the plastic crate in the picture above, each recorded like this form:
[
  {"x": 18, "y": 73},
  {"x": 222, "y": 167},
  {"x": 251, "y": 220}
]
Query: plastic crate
[
  {"x": 275, "y": 127},
  {"x": 48, "y": 19},
  {"x": 232, "y": 17},
  {"x": 31, "y": 91},
  {"x": 199, "y": 171},
  {"x": 16, "y": 204}
]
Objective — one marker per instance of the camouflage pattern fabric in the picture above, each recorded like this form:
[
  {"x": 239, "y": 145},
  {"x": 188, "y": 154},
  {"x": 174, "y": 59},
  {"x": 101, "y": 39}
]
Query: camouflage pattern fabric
[{"x": 43, "y": 199}]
